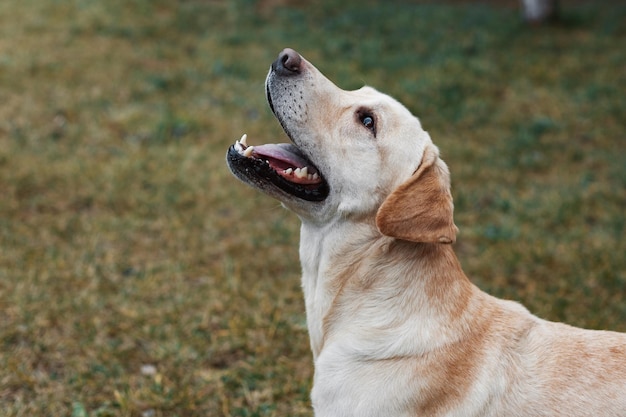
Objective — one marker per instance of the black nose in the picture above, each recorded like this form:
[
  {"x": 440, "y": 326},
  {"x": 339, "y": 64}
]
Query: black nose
[{"x": 289, "y": 62}]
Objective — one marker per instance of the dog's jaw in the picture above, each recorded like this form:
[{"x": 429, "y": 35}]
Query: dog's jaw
[
  {"x": 289, "y": 173},
  {"x": 279, "y": 170}
]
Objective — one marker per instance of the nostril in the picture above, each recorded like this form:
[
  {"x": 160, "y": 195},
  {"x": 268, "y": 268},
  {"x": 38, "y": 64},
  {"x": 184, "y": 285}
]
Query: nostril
[
  {"x": 288, "y": 60},
  {"x": 291, "y": 60},
  {"x": 285, "y": 61}
]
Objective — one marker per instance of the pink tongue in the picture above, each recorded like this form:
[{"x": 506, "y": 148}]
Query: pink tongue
[
  {"x": 284, "y": 160},
  {"x": 281, "y": 152}
]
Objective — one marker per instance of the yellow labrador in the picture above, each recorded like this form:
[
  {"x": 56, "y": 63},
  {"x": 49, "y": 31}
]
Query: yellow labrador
[{"x": 396, "y": 327}]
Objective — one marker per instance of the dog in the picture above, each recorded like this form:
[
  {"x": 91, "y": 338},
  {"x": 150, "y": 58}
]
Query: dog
[{"x": 396, "y": 328}]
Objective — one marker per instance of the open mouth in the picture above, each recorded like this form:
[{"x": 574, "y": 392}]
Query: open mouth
[{"x": 282, "y": 165}]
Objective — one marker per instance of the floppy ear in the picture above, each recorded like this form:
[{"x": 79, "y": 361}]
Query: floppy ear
[{"x": 420, "y": 209}]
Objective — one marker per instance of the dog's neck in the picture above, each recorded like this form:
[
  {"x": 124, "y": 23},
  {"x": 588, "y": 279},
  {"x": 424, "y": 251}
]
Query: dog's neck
[{"x": 337, "y": 273}]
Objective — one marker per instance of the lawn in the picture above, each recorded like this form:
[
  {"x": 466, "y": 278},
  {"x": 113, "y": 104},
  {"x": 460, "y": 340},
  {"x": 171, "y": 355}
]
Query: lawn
[{"x": 139, "y": 278}]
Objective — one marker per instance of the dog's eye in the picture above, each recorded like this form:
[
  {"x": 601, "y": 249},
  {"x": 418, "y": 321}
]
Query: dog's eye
[{"x": 368, "y": 121}]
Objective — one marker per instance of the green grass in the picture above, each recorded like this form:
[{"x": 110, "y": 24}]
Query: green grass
[{"x": 139, "y": 278}]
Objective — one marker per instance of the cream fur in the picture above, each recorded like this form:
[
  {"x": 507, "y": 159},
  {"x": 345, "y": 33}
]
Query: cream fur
[{"x": 396, "y": 327}]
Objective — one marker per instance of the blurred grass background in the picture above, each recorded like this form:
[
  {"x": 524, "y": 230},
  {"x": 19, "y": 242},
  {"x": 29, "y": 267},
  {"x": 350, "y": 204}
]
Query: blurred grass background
[{"x": 138, "y": 278}]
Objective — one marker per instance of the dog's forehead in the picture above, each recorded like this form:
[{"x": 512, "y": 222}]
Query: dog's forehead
[
  {"x": 366, "y": 90},
  {"x": 376, "y": 100},
  {"x": 370, "y": 94}
]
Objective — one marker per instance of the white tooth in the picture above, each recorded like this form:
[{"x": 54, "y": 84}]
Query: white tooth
[
  {"x": 301, "y": 172},
  {"x": 238, "y": 147},
  {"x": 244, "y": 140},
  {"x": 309, "y": 177},
  {"x": 315, "y": 176},
  {"x": 248, "y": 151},
  {"x": 288, "y": 171}
]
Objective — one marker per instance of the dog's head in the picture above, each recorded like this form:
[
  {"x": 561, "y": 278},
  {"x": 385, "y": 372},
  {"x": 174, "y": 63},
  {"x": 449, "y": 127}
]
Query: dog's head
[{"x": 355, "y": 154}]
